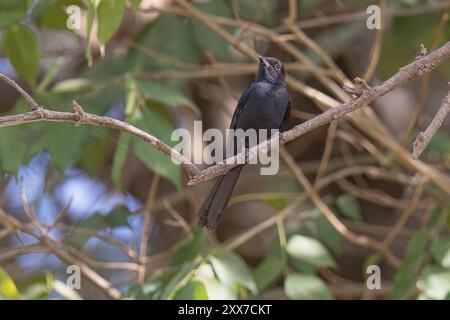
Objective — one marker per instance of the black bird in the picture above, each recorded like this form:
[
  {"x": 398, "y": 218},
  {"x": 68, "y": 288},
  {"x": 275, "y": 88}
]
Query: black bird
[{"x": 265, "y": 104}]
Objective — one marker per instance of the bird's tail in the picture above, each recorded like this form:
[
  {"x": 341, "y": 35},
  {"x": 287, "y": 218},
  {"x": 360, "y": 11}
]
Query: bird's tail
[{"x": 212, "y": 209}]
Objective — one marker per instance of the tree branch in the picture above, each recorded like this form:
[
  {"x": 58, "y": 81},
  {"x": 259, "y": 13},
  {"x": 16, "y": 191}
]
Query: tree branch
[
  {"x": 410, "y": 72},
  {"x": 79, "y": 116},
  {"x": 424, "y": 138},
  {"x": 414, "y": 70}
]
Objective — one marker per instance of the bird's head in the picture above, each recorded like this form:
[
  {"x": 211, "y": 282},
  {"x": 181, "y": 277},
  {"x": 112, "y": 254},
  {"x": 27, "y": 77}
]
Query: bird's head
[{"x": 271, "y": 70}]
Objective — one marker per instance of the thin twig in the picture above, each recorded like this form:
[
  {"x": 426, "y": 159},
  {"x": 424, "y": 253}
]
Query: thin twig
[
  {"x": 327, "y": 151},
  {"x": 331, "y": 217},
  {"x": 28, "y": 99},
  {"x": 64, "y": 256},
  {"x": 147, "y": 227},
  {"x": 424, "y": 138}
]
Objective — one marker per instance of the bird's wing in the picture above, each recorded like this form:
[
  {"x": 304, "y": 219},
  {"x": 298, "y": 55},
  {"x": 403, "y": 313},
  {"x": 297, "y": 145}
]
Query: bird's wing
[
  {"x": 240, "y": 105},
  {"x": 287, "y": 114}
]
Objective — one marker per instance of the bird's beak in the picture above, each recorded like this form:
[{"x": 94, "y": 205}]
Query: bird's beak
[{"x": 263, "y": 60}]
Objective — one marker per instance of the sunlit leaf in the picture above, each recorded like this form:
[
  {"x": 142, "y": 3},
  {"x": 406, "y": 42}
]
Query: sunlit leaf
[
  {"x": 8, "y": 289},
  {"x": 194, "y": 290},
  {"x": 37, "y": 287},
  {"x": 215, "y": 289},
  {"x": 72, "y": 85},
  {"x": 65, "y": 291},
  {"x": 440, "y": 249},
  {"x": 306, "y": 287},
  {"x": 436, "y": 282},
  {"x": 232, "y": 271},
  {"x": 277, "y": 202},
  {"x": 181, "y": 278},
  {"x": 309, "y": 250}
]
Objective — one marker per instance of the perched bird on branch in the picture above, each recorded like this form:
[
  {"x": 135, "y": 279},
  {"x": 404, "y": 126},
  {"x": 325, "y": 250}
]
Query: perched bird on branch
[{"x": 265, "y": 104}]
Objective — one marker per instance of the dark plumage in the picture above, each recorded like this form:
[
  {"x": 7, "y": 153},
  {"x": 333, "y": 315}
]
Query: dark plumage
[{"x": 265, "y": 104}]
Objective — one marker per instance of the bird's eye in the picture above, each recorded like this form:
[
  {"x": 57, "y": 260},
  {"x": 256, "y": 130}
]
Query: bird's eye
[{"x": 277, "y": 66}]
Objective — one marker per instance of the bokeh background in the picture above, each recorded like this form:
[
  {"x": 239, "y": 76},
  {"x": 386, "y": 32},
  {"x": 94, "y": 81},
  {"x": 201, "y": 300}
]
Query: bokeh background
[{"x": 121, "y": 210}]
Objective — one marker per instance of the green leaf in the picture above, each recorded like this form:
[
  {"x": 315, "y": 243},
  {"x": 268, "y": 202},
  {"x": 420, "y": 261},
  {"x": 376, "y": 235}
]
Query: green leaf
[
  {"x": 12, "y": 154},
  {"x": 65, "y": 291},
  {"x": 36, "y": 287},
  {"x": 231, "y": 270},
  {"x": 65, "y": 143},
  {"x": 52, "y": 14},
  {"x": 440, "y": 145},
  {"x": 440, "y": 249},
  {"x": 115, "y": 218},
  {"x": 205, "y": 38},
  {"x": 404, "y": 281},
  {"x": 169, "y": 35},
  {"x": 165, "y": 95},
  {"x": 91, "y": 11},
  {"x": 12, "y": 11},
  {"x": 306, "y": 287},
  {"x": 151, "y": 288},
  {"x": 8, "y": 289},
  {"x": 188, "y": 248},
  {"x": 349, "y": 206},
  {"x": 194, "y": 290},
  {"x": 271, "y": 268},
  {"x": 72, "y": 85},
  {"x": 278, "y": 202},
  {"x": 309, "y": 250},
  {"x": 268, "y": 271},
  {"x": 50, "y": 74},
  {"x": 120, "y": 156},
  {"x": 155, "y": 123},
  {"x": 109, "y": 14},
  {"x": 21, "y": 48},
  {"x": 328, "y": 234},
  {"x": 436, "y": 282},
  {"x": 259, "y": 11},
  {"x": 136, "y": 3},
  {"x": 181, "y": 278},
  {"x": 214, "y": 289},
  {"x": 299, "y": 265},
  {"x": 96, "y": 154}
]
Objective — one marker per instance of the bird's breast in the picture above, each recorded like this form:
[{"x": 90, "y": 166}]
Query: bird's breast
[{"x": 265, "y": 109}]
